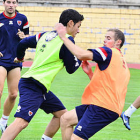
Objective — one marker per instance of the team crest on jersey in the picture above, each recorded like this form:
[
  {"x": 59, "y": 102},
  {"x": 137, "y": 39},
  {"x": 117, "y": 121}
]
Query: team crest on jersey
[
  {"x": 30, "y": 113},
  {"x": 19, "y": 22},
  {"x": 1, "y": 24},
  {"x": 51, "y": 36}
]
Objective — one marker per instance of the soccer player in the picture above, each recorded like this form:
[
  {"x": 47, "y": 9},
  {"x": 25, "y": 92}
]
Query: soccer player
[
  {"x": 127, "y": 114},
  {"x": 34, "y": 86},
  {"x": 13, "y": 27},
  {"x": 104, "y": 97}
]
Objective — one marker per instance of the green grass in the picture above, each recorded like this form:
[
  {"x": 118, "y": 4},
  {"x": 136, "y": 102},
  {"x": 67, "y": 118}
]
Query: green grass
[{"x": 69, "y": 89}]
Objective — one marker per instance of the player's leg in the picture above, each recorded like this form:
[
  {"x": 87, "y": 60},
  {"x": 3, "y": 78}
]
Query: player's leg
[
  {"x": 31, "y": 97},
  {"x": 75, "y": 137},
  {"x": 53, "y": 105},
  {"x": 12, "y": 82},
  {"x": 127, "y": 114},
  {"x": 136, "y": 103},
  {"x": 3, "y": 75},
  {"x": 13, "y": 77},
  {"x": 14, "y": 129},
  {"x": 54, "y": 125},
  {"x": 68, "y": 120}
]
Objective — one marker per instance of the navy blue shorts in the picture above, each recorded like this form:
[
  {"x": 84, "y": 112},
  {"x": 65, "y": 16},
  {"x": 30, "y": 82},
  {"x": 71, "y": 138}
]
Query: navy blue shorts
[
  {"x": 34, "y": 96},
  {"x": 91, "y": 119},
  {"x": 10, "y": 68}
]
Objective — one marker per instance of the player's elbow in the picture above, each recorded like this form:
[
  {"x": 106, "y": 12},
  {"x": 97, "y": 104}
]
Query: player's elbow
[
  {"x": 70, "y": 71},
  {"x": 84, "y": 56}
]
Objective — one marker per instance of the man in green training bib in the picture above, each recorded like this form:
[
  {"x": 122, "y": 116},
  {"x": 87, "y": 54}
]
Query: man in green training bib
[{"x": 34, "y": 86}]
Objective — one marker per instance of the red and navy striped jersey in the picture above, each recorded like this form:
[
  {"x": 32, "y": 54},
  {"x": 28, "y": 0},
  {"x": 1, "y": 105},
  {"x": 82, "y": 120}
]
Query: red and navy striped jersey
[
  {"x": 102, "y": 56},
  {"x": 8, "y": 36}
]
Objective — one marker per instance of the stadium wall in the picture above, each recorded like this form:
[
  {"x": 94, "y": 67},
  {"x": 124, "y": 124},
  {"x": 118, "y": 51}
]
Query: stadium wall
[{"x": 93, "y": 29}]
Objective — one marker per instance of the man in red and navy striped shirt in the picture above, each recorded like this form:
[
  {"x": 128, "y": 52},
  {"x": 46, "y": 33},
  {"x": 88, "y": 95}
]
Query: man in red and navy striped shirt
[{"x": 13, "y": 27}]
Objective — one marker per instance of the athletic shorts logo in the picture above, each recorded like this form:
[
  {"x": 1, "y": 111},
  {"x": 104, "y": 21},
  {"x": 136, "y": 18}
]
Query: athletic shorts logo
[
  {"x": 79, "y": 128},
  {"x": 18, "y": 108},
  {"x": 30, "y": 113}
]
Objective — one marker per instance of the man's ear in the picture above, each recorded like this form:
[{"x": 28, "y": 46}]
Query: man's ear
[
  {"x": 70, "y": 23},
  {"x": 119, "y": 42}
]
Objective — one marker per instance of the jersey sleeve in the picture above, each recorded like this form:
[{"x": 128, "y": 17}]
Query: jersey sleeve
[
  {"x": 28, "y": 42},
  {"x": 102, "y": 56},
  {"x": 38, "y": 36},
  {"x": 71, "y": 62},
  {"x": 26, "y": 26}
]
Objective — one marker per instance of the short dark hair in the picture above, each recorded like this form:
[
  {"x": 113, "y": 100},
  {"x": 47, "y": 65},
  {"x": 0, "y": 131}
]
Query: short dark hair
[
  {"x": 70, "y": 14},
  {"x": 118, "y": 35},
  {"x": 5, "y": 0}
]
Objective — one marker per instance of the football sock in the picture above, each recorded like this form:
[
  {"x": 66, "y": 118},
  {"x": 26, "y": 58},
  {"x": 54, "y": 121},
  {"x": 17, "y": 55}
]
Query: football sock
[
  {"x": 44, "y": 137},
  {"x": 130, "y": 111},
  {"x": 3, "y": 120}
]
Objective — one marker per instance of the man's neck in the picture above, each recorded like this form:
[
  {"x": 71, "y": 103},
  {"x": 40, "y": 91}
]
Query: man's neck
[{"x": 9, "y": 15}]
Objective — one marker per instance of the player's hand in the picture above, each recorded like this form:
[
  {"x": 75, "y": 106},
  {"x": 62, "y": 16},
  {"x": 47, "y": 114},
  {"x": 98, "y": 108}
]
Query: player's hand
[
  {"x": 18, "y": 61},
  {"x": 21, "y": 34},
  {"x": 61, "y": 30},
  {"x": 87, "y": 68},
  {"x": 1, "y": 55}
]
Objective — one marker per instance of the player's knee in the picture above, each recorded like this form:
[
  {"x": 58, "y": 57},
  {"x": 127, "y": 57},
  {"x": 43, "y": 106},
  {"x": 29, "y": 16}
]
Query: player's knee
[
  {"x": 25, "y": 125},
  {"x": 22, "y": 124},
  {"x": 63, "y": 121},
  {"x": 13, "y": 96},
  {"x": 58, "y": 114}
]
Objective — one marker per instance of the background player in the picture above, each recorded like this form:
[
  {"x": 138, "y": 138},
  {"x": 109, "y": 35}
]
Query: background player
[
  {"x": 104, "y": 97},
  {"x": 51, "y": 56},
  {"x": 13, "y": 27}
]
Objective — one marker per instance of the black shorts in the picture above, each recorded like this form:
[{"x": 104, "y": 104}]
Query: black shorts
[
  {"x": 91, "y": 119},
  {"x": 11, "y": 68},
  {"x": 32, "y": 97}
]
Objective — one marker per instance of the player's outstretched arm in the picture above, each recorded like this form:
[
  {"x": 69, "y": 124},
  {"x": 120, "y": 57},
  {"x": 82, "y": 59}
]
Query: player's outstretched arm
[
  {"x": 28, "y": 42},
  {"x": 77, "y": 51}
]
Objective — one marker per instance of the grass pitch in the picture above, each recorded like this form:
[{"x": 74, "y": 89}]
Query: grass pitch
[{"x": 69, "y": 89}]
